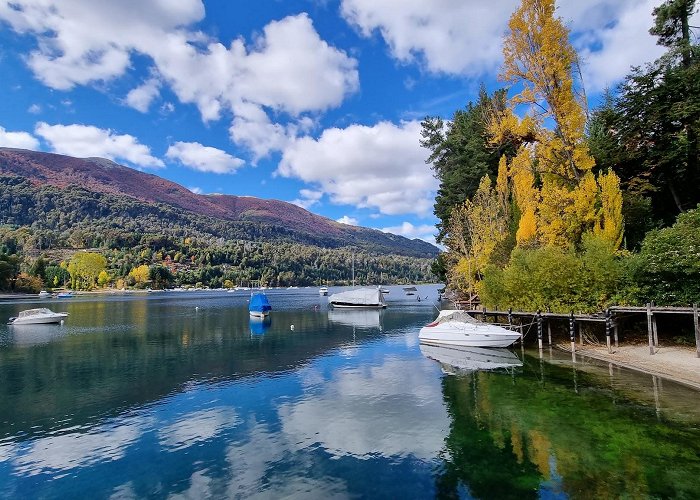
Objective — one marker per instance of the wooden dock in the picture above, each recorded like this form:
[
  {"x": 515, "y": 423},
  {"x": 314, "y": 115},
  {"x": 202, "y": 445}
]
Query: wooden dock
[{"x": 610, "y": 317}]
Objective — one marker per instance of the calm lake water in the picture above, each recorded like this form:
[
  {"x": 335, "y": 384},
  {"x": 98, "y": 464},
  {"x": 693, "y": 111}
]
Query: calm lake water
[{"x": 181, "y": 395}]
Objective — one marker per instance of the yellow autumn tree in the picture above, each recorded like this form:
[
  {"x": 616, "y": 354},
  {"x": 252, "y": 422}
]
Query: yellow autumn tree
[
  {"x": 557, "y": 196},
  {"x": 476, "y": 229},
  {"x": 140, "y": 274}
]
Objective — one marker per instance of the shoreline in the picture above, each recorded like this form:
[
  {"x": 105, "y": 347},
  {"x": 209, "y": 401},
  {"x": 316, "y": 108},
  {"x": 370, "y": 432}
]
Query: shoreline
[{"x": 677, "y": 363}]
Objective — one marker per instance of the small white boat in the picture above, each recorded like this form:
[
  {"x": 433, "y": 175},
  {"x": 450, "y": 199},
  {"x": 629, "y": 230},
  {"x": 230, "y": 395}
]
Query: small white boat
[
  {"x": 455, "y": 360},
  {"x": 363, "y": 297},
  {"x": 38, "y": 316},
  {"x": 458, "y": 328},
  {"x": 44, "y": 294},
  {"x": 410, "y": 290},
  {"x": 323, "y": 291}
]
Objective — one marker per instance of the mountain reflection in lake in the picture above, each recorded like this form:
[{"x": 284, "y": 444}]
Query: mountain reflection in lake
[{"x": 182, "y": 394}]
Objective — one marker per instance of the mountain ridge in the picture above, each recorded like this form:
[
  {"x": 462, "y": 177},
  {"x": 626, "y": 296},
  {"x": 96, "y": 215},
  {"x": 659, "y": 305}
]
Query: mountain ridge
[{"x": 103, "y": 176}]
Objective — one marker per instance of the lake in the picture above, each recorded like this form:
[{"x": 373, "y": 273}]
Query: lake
[{"x": 181, "y": 395}]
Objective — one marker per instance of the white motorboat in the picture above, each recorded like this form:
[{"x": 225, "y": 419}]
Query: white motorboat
[
  {"x": 459, "y": 328},
  {"x": 323, "y": 291},
  {"x": 38, "y": 316},
  {"x": 410, "y": 290},
  {"x": 44, "y": 294},
  {"x": 468, "y": 359},
  {"x": 362, "y": 297}
]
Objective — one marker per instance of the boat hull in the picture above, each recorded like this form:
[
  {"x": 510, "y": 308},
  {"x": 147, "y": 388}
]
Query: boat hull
[
  {"x": 259, "y": 314},
  {"x": 467, "y": 335},
  {"x": 43, "y": 320},
  {"x": 341, "y": 305}
]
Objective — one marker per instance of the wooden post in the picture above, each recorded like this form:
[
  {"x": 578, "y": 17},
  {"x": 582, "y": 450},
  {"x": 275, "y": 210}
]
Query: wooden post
[
  {"x": 549, "y": 331},
  {"x": 608, "y": 329},
  {"x": 510, "y": 316},
  {"x": 615, "y": 326},
  {"x": 539, "y": 330},
  {"x": 572, "y": 332},
  {"x": 697, "y": 329},
  {"x": 656, "y": 331},
  {"x": 484, "y": 311},
  {"x": 649, "y": 330}
]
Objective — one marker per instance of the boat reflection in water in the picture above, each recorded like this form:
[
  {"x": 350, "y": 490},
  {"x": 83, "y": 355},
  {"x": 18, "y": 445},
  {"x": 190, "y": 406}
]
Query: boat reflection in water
[
  {"x": 358, "y": 318},
  {"x": 259, "y": 325},
  {"x": 31, "y": 335},
  {"x": 455, "y": 360}
]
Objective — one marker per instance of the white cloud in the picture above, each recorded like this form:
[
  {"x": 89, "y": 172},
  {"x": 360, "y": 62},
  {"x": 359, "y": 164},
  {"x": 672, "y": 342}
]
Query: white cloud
[
  {"x": 381, "y": 167},
  {"x": 141, "y": 97},
  {"x": 608, "y": 49},
  {"x": 196, "y": 190},
  {"x": 424, "y": 232},
  {"x": 84, "y": 41},
  {"x": 351, "y": 221},
  {"x": 448, "y": 36},
  {"x": 308, "y": 198},
  {"x": 34, "y": 109},
  {"x": 203, "y": 158},
  {"x": 87, "y": 141},
  {"x": 21, "y": 140},
  {"x": 465, "y": 36}
]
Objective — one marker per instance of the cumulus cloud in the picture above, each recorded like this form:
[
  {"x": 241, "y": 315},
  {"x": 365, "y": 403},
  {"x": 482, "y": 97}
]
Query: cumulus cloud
[
  {"x": 141, "y": 97},
  {"x": 84, "y": 41},
  {"x": 21, "y": 140},
  {"x": 611, "y": 38},
  {"x": 611, "y": 35},
  {"x": 424, "y": 232},
  {"x": 350, "y": 221},
  {"x": 381, "y": 167},
  {"x": 34, "y": 109},
  {"x": 308, "y": 198},
  {"x": 87, "y": 141},
  {"x": 450, "y": 36},
  {"x": 196, "y": 190},
  {"x": 203, "y": 158}
]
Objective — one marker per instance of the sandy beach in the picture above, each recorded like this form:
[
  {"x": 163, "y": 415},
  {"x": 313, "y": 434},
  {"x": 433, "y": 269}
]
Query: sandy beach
[{"x": 678, "y": 363}]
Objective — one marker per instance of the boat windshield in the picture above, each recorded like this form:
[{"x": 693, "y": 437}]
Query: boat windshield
[
  {"x": 461, "y": 316},
  {"x": 34, "y": 312}
]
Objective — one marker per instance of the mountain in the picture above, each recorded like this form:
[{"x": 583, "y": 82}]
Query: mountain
[{"x": 76, "y": 190}]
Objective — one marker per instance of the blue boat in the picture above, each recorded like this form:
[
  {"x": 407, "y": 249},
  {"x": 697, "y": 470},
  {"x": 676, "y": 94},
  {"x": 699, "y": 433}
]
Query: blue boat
[{"x": 259, "y": 306}]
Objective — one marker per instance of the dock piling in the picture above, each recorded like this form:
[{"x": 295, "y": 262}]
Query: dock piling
[
  {"x": 539, "y": 330},
  {"x": 608, "y": 320},
  {"x": 572, "y": 332},
  {"x": 697, "y": 329},
  {"x": 650, "y": 329}
]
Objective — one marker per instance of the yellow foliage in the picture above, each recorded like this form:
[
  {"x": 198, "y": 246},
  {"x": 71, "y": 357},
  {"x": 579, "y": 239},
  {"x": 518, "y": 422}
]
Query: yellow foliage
[
  {"x": 140, "y": 274},
  {"x": 477, "y": 227},
  {"x": 610, "y": 223},
  {"x": 539, "y": 57}
]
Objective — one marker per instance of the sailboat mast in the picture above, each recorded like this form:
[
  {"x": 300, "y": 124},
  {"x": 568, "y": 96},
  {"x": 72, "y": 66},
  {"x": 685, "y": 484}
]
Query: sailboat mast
[{"x": 353, "y": 269}]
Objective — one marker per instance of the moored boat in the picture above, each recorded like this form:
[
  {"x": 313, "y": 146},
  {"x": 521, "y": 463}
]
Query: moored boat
[
  {"x": 39, "y": 316},
  {"x": 410, "y": 290},
  {"x": 459, "y": 328},
  {"x": 323, "y": 291},
  {"x": 362, "y": 297},
  {"x": 44, "y": 294},
  {"x": 259, "y": 306},
  {"x": 65, "y": 295}
]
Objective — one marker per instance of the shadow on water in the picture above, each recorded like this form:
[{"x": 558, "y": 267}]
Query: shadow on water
[{"x": 556, "y": 428}]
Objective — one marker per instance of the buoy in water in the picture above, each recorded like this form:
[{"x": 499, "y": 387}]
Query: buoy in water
[{"x": 291, "y": 327}]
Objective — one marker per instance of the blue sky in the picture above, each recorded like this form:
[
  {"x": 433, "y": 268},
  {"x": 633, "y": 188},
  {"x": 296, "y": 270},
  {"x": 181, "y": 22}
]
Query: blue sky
[{"x": 316, "y": 102}]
